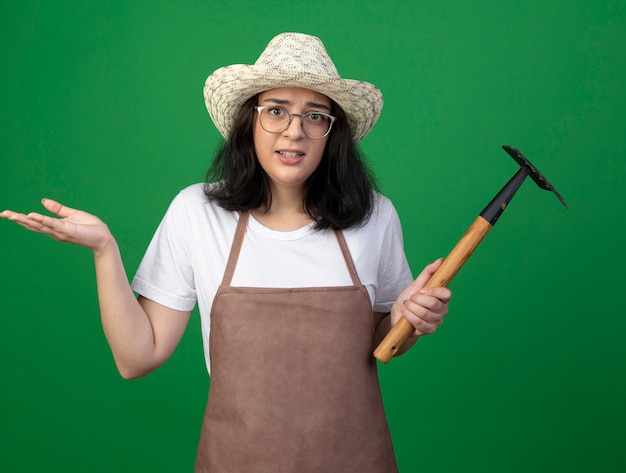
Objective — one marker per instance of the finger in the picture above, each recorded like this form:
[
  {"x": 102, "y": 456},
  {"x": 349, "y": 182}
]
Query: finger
[
  {"x": 7, "y": 214},
  {"x": 57, "y": 208},
  {"x": 43, "y": 220},
  {"x": 30, "y": 224},
  {"x": 442, "y": 294},
  {"x": 423, "y": 320},
  {"x": 15, "y": 216},
  {"x": 55, "y": 227},
  {"x": 425, "y": 275},
  {"x": 430, "y": 309},
  {"x": 51, "y": 206},
  {"x": 38, "y": 223},
  {"x": 424, "y": 325},
  {"x": 11, "y": 215}
]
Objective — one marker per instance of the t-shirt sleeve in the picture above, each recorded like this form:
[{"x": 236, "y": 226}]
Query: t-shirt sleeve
[
  {"x": 165, "y": 274},
  {"x": 394, "y": 274}
]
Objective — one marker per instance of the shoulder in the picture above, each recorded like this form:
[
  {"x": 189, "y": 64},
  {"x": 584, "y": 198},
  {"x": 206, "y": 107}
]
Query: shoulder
[
  {"x": 383, "y": 219},
  {"x": 192, "y": 195},
  {"x": 383, "y": 204},
  {"x": 191, "y": 208},
  {"x": 383, "y": 212},
  {"x": 193, "y": 198}
]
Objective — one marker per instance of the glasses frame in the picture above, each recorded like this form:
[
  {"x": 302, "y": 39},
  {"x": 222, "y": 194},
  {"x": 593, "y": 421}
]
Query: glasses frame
[{"x": 260, "y": 108}]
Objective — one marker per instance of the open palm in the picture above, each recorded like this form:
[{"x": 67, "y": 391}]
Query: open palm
[{"x": 70, "y": 225}]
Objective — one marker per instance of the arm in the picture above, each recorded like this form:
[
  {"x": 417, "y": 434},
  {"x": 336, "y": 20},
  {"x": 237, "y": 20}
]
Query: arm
[
  {"x": 142, "y": 334},
  {"x": 424, "y": 308}
]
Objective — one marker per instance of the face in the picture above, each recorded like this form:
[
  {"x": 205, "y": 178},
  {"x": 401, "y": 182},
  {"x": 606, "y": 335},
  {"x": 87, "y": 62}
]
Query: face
[{"x": 290, "y": 157}]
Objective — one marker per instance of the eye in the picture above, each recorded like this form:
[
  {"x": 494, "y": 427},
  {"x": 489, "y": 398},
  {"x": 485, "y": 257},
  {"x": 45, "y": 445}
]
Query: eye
[
  {"x": 316, "y": 117},
  {"x": 276, "y": 112}
]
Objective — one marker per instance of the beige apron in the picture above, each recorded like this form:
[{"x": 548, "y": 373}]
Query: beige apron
[{"x": 294, "y": 386}]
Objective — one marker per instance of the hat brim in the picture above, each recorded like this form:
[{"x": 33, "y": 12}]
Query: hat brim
[{"x": 226, "y": 90}]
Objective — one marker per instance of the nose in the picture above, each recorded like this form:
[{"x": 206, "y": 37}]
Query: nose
[{"x": 294, "y": 130}]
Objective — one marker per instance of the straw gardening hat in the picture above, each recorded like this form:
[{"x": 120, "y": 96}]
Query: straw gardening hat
[{"x": 291, "y": 60}]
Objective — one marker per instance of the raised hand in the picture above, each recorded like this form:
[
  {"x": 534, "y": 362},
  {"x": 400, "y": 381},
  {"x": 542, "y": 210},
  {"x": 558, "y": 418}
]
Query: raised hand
[
  {"x": 142, "y": 333},
  {"x": 70, "y": 225}
]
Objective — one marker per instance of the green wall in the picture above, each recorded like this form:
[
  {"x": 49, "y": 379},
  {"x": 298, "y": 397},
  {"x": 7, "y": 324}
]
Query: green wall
[{"x": 101, "y": 108}]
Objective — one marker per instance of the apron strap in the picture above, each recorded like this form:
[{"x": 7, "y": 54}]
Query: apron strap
[
  {"x": 242, "y": 224},
  {"x": 348, "y": 258},
  {"x": 235, "y": 249}
]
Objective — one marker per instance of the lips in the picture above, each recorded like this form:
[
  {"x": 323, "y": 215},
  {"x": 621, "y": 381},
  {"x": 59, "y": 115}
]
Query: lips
[
  {"x": 290, "y": 157},
  {"x": 290, "y": 154}
]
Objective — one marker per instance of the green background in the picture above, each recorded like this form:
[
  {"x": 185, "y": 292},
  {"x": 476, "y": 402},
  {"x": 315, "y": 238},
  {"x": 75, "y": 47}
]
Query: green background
[{"x": 101, "y": 107}]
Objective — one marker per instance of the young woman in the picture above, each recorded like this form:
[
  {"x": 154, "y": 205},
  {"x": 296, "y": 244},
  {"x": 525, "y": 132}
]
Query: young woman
[{"x": 296, "y": 264}]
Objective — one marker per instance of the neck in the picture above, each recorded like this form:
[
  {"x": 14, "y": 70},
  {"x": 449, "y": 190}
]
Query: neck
[{"x": 286, "y": 212}]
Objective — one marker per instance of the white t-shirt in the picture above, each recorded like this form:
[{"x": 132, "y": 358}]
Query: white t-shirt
[{"x": 187, "y": 256}]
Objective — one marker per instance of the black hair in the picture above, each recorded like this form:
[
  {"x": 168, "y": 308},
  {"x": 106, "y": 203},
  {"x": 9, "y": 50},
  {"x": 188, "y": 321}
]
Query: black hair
[{"x": 338, "y": 195}]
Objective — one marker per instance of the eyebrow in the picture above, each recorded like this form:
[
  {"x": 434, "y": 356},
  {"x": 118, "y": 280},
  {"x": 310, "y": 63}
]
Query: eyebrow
[{"x": 288, "y": 102}]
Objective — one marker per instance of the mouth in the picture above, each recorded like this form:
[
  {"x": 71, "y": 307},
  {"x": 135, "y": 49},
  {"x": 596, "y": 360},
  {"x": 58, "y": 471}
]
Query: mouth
[
  {"x": 290, "y": 154},
  {"x": 290, "y": 157}
]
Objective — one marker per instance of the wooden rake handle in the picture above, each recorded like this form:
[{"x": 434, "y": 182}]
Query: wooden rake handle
[{"x": 396, "y": 337}]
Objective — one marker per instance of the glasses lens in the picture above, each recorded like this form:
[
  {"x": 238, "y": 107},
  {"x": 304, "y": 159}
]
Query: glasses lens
[
  {"x": 316, "y": 125},
  {"x": 274, "y": 119}
]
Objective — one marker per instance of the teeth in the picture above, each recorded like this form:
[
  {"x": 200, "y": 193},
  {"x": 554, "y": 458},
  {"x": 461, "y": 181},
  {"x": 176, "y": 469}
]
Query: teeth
[{"x": 290, "y": 155}]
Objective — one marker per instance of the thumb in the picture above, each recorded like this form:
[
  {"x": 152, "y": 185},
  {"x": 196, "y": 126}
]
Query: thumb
[
  {"x": 425, "y": 276},
  {"x": 56, "y": 208}
]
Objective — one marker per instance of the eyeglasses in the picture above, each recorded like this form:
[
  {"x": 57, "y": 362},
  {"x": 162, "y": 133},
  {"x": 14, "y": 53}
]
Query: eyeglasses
[{"x": 275, "y": 119}]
